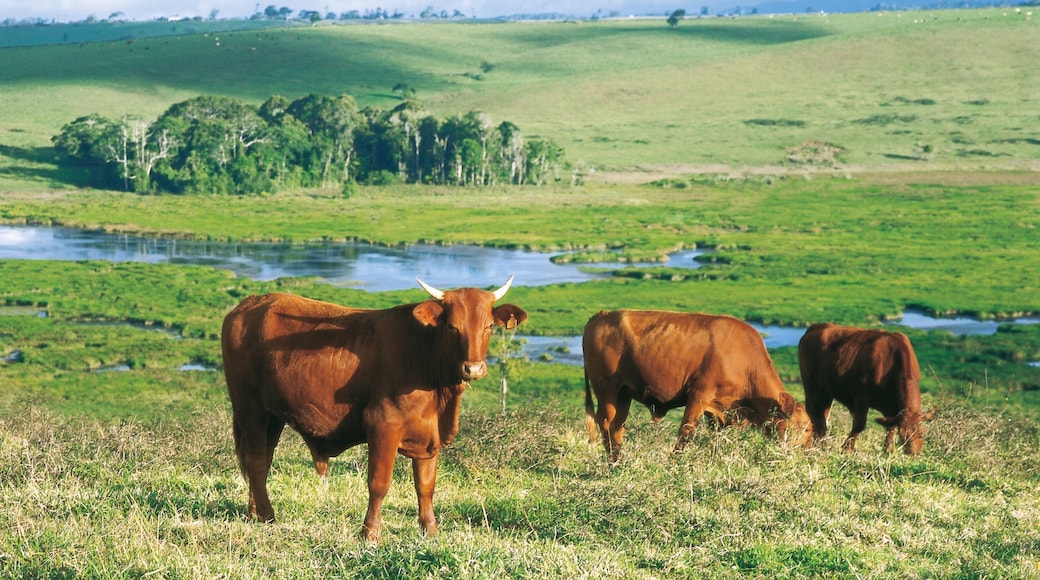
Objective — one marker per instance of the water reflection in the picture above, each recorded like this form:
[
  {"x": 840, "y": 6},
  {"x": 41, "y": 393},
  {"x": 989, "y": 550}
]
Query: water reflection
[
  {"x": 378, "y": 268},
  {"x": 957, "y": 325},
  {"x": 366, "y": 266},
  {"x": 195, "y": 366}
]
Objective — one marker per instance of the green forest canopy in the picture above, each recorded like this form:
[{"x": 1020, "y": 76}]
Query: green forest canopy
[{"x": 212, "y": 144}]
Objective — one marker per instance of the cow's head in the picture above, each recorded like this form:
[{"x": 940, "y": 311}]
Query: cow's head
[
  {"x": 910, "y": 425},
  {"x": 794, "y": 427},
  {"x": 464, "y": 319}
]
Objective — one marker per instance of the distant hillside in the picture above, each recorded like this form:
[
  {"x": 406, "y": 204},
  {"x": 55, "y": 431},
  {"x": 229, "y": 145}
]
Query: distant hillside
[
  {"x": 840, "y": 6},
  {"x": 41, "y": 34},
  {"x": 871, "y": 90}
]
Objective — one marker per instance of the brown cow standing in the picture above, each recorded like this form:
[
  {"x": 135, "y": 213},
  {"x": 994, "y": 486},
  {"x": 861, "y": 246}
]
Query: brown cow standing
[
  {"x": 710, "y": 364},
  {"x": 863, "y": 369},
  {"x": 340, "y": 376}
]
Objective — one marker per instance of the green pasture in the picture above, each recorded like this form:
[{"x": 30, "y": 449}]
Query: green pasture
[
  {"x": 149, "y": 487},
  {"x": 116, "y": 463},
  {"x": 87, "y": 33},
  {"x": 894, "y": 90},
  {"x": 784, "y": 251}
]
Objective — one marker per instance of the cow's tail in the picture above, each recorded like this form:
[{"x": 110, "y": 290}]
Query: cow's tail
[{"x": 590, "y": 411}]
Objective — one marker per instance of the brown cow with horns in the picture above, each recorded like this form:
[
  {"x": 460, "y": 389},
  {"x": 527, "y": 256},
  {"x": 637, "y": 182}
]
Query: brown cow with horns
[
  {"x": 341, "y": 376},
  {"x": 863, "y": 369},
  {"x": 715, "y": 365}
]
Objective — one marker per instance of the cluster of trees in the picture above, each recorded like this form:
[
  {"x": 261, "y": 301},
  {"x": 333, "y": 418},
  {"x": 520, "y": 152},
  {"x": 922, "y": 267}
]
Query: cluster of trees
[
  {"x": 273, "y": 12},
  {"x": 212, "y": 144}
]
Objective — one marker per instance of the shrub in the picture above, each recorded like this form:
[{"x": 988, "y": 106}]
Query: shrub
[{"x": 815, "y": 153}]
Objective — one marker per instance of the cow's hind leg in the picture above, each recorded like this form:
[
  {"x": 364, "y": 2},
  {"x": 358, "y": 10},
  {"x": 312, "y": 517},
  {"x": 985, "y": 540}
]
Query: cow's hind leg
[
  {"x": 590, "y": 411},
  {"x": 859, "y": 423},
  {"x": 614, "y": 406},
  {"x": 256, "y": 435},
  {"x": 818, "y": 408}
]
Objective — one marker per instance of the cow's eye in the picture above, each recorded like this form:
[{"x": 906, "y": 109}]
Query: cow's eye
[{"x": 453, "y": 329}]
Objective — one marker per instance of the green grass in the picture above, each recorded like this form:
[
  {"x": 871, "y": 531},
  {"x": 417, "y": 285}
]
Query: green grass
[
  {"x": 617, "y": 95},
  {"x": 521, "y": 495},
  {"x": 121, "y": 474},
  {"x": 81, "y": 33}
]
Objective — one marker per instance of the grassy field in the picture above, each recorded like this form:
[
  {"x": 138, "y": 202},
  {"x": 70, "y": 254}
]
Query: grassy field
[
  {"x": 123, "y": 473},
  {"x": 520, "y": 495},
  {"x": 127, "y": 473},
  {"x": 115, "y": 463},
  {"x": 935, "y": 89}
]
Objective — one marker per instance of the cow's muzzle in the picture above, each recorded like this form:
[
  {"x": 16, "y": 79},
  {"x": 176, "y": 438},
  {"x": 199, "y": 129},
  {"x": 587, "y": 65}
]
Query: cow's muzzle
[{"x": 472, "y": 371}]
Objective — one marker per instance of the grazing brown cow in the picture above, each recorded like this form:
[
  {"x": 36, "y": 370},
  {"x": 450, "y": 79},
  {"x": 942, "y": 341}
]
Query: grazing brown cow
[
  {"x": 340, "y": 376},
  {"x": 715, "y": 365},
  {"x": 863, "y": 369}
]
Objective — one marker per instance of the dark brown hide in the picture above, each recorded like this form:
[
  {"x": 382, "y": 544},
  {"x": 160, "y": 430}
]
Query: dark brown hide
[
  {"x": 708, "y": 364},
  {"x": 863, "y": 369},
  {"x": 341, "y": 377}
]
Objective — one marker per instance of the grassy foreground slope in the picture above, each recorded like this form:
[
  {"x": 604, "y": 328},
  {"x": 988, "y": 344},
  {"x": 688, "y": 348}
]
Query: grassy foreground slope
[
  {"x": 933, "y": 89},
  {"x": 124, "y": 474},
  {"x": 520, "y": 495}
]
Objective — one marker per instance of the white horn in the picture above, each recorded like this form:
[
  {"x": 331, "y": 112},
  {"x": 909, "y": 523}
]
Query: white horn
[
  {"x": 438, "y": 294},
  {"x": 505, "y": 288}
]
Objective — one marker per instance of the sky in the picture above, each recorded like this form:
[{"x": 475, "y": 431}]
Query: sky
[{"x": 78, "y": 10}]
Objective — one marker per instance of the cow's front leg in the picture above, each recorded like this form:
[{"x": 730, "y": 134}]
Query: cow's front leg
[
  {"x": 890, "y": 438},
  {"x": 382, "y": 450},
  {"x": 695, "y": 408},
  {"x": 424, "y": 472}
]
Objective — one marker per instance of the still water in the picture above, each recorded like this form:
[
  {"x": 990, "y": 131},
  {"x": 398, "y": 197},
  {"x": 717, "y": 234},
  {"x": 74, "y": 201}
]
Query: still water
[
  {"x": 567, "y": 349},
  {"x": 365, "y": 266},
  {"x": 377, "y": 268}
]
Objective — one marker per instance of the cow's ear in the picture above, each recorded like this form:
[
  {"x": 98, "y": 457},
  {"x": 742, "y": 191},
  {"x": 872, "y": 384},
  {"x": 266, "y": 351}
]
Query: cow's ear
[
  {"x": 787, "y": 403},
  {"x": 509, "y": 315},
  {"x": 428, "y": 313}
]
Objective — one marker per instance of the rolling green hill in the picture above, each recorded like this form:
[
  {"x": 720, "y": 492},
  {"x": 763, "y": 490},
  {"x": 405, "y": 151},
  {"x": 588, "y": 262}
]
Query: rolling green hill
[{"x": 894, "y": 90}]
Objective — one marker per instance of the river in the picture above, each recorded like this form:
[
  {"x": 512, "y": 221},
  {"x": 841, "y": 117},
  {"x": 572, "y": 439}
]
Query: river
[
  {"x": 365, "y": 266},
  {"x": 377, "y": 268}
]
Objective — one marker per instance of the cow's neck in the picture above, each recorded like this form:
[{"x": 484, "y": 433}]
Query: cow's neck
[{"x": 449, "y": 399}]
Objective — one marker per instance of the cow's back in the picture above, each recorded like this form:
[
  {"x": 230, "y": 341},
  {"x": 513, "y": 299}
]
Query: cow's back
[
  {"x": 643, "y": 349},
  {"x": 664, "y": 351},
  {"x": 297, "y": 359},
  {"x": 845, "y": 361},
  {"x": 271, "y": 325}
]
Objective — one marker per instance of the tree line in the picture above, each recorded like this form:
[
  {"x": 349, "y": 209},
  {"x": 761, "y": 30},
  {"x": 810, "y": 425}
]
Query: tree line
[{"x": 213, "y": 144}]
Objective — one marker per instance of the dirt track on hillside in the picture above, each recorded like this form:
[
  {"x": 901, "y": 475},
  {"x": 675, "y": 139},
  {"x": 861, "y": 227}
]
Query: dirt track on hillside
[{"x": 1018, "y": 172}]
